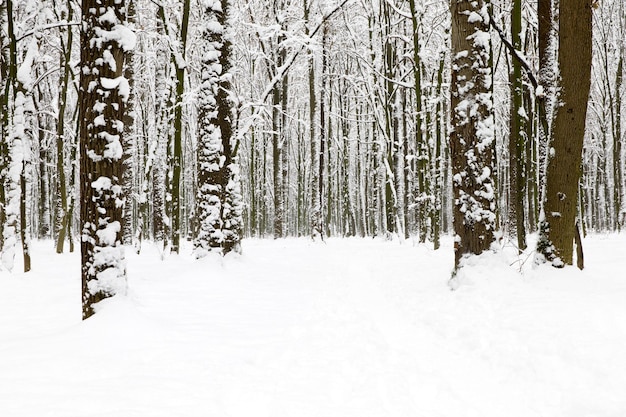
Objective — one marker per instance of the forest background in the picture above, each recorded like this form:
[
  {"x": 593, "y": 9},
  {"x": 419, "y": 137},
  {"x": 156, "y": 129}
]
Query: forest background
[{"x": 340, "y": 127}]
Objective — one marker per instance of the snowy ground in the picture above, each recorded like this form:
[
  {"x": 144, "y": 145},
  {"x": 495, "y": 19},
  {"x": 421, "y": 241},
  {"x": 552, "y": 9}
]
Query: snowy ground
[{"x": 354, "y": 327}]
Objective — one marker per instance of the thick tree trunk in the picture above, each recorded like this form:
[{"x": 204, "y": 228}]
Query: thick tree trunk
[
  {"x": 218, "y": 200},
  {"x": 563, "y": 173},
  {"x": 102, "y": 98},
  {"x": 472, "y": 142}
]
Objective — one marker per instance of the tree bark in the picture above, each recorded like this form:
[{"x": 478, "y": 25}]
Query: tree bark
[
  {"x": 129, "y": 136},
  {"x": 177, "y": 154},
  {"x": 517, "y": 119},
  {"x": 472, "y": 142},
  {"x": 61, "y": 208},
  {"x": 102, "y": 98},
  {"x": 563, "y": 173}
]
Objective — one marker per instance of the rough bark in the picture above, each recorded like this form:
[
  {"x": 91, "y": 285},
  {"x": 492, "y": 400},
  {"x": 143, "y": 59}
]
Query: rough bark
[
  {"x": 563, "y": 173},
  {"x": 472, "y": 141},
  {"x": 218, "y": 201},
  {"x": 102, "y": 99}
]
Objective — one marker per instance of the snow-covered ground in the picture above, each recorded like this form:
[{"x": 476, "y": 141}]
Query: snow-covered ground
[{"x": 352, "y": 327}]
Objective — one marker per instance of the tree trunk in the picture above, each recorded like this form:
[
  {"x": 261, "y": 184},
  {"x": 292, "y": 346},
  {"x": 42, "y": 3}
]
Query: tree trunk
[
  {"x": 102, "y": 96},
  {"x": 61, "y": 218},
  {"x": 422, "y": 163},
  {"x": 618, "y": 176},
  {"x": 563, "y": 173},
  {"x": 516, "y": 137},
  {"x": 438, "y": 177},
  {"x": 129, "y": 136},
  {"x": 218, "y": 200},
  {"x": 177, "y": 151},
  {"x": 5, "y": 57},
  {"x": 546, "y": 80},
  {"x": 160, "y": 174},
  {"x": 472, "y": 143},
  {"x": 315, "y": 218}
]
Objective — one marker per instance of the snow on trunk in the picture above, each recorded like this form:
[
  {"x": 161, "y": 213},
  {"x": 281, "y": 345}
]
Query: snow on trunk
[
  {"x": 103, "y": 94},
  {"x": 472, "y": 140},
  {"x": 218, "y": 202}
]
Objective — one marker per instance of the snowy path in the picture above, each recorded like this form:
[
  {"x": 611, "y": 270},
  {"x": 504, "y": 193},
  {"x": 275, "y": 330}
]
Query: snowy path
[{"x": 294, "y": 329}]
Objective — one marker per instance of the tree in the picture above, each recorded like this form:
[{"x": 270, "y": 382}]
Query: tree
[
  {"x": 62, "y": 221},
  {"x": 218, "y": 200},
  {"x": 546, "y": 80},
  {"x": 558, "y": 222},
  {"x": 517, "y": 175},
  {"x": 18, "y": 102},
  {"x": 102, "y": 97},
  {"x": 177, "y": 155},
  {"x": 472, "y": 143},
  {"x": 4, "y": 113}
]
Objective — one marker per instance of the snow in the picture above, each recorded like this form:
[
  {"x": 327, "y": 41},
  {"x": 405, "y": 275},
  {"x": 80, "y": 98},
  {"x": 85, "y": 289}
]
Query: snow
[
  {"x": 122, "y": 35},
  {"x": 474, "y": 17},
  {"x": 353, "y": 327},
  {"x": 102, "y": 183},
  {"x": 107, "y": 236},
  {"x": 24, "y": 71},
  {"x": 540, "y": 92}
]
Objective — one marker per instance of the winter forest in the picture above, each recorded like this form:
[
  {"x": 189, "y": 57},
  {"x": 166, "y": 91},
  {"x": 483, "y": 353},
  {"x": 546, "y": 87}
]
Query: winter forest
[{"x": 312, "y": 208}]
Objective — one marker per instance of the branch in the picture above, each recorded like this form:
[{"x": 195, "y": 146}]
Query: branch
[
  {"x": 514, "y": 52},
  {"x": 281, "y": 71},
  {"x": 46, "y": 27},
  {"x": 327, "y": 17}
]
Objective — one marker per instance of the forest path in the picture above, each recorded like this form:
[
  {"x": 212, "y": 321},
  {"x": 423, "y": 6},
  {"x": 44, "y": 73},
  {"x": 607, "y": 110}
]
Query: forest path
[{"x": 350, "y": 327}]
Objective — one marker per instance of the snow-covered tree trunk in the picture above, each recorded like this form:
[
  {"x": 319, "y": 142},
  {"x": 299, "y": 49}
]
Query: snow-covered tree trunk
[
  {"x": 472, "y": 144},
  {"x": 218, "y": 201},
  {"x": 18, "y": 104},
  {"x": 5, "y": 54},
  {"x": 129, "y": 137},
  {"x": 163, "y": 119},
  {"x": 102, "y": 97},
  {"x": 210, "y": 151},
  {"x": 232, "y": 204}
]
